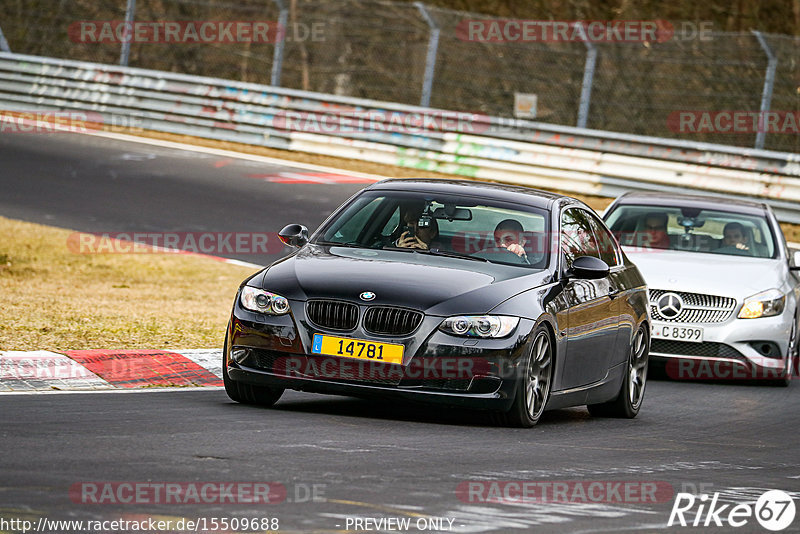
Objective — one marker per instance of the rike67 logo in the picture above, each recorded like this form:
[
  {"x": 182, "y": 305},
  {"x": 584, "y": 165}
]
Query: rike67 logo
[{"x": 774, "y": 510}]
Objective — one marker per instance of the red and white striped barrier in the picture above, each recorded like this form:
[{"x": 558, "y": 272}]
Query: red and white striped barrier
[{"x": 86, "y": 370}]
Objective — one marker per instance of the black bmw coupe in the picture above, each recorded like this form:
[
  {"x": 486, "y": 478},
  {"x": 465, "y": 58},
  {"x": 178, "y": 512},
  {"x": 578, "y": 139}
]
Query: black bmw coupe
[{"x": 473, "y": 294}]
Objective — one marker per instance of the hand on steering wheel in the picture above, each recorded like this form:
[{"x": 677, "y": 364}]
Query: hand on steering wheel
[{"x": 516, "y": 248}]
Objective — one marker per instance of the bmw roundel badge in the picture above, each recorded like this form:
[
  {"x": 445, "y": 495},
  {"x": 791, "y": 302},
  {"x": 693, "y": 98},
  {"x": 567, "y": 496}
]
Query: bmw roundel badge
[{"x": 367, "y": 295}]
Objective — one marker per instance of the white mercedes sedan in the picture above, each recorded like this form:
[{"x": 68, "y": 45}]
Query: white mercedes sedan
[{"x": 724, "y": 286}]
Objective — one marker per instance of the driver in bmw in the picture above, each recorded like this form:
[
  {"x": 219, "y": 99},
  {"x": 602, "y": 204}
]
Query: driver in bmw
[{"x": 509, "y": 235}]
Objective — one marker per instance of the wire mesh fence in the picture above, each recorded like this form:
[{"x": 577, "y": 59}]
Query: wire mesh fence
[{"x": 707, "y": 86}]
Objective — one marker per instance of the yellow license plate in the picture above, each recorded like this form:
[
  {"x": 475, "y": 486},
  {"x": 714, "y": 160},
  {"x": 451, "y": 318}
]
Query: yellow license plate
[{"x": 357, "y": 348}]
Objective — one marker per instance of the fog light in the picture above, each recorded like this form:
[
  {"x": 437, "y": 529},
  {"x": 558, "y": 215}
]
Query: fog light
[
  {"x": 767, "y": 349},
  {"x": 239, "y": 355}
]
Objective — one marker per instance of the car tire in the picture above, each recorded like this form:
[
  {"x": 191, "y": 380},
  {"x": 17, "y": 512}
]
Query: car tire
[
  {"x": 532, "y": 390},
  {"x": 631, "y": 394},
  {"x": 247, "y": 393}
]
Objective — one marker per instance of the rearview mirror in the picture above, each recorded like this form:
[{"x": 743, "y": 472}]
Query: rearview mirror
[
  {"x": 588, "y": 268},
  {"x": 690, "y": 222},
  {"x": 294, "y": 235},
  {"x": 452, "y": 213}
]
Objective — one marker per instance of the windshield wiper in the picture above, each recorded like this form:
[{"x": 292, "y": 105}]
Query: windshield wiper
[
  {"x": 434, "y": 252},
  {"x": 332, "y": 244},
  {"x": 450, "y": 254}
]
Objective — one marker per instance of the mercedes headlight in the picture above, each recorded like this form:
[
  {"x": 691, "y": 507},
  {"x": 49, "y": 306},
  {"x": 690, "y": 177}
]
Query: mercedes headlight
[
  {"x": 261, "y": 301},
  {"x": 479, "y": 325},
  {"x": 764, "y": 304}
]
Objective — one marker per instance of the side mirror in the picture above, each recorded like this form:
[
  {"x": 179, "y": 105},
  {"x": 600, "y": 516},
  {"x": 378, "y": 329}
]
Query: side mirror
[
  {"x": 588, "y": 268},
  {"x": 794, "y": 260},
  {"x": 294, "y": 235}
]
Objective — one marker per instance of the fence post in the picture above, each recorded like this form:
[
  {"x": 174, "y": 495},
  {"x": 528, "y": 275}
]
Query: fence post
[
  {"x": 588, "y": 78},
  {"x": 280, "y": 39},
  {"x": 430, "y": 59},
  {"x": 766, "y": 93},
  {"x": 125, "y": 53},
  {"x": 3, "y": 43}
]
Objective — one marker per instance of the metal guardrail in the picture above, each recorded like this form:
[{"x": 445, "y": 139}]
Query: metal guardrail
[{"x": 536, "y": 154}]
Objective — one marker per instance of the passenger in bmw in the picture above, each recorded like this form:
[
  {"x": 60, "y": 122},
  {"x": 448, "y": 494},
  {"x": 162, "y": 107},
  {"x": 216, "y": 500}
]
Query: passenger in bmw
[{"x": 417, "y": 229}]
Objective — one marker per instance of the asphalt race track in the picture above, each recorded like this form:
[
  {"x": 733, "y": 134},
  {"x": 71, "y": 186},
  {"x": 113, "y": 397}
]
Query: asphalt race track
[
  {"x": 94, "y": 184},
  {"x": 372, "y": 459},
  {"x": 336, "y": 460}
]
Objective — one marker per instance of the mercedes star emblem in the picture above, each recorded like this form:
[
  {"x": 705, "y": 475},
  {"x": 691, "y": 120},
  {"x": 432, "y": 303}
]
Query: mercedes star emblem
[{"x": 669, "y": 305}]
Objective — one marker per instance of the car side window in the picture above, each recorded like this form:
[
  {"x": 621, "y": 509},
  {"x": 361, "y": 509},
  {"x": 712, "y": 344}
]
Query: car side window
[
  {"x": 351, "y": 230},
  {"x": 392, "y": 224},
  {"x": 607, "y": 244},
  {"x": 577, "y": 237}
]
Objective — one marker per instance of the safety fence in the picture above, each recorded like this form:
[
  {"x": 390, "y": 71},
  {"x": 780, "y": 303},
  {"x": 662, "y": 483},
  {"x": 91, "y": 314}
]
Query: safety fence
[
  {"x": 611, "y": 75},
  {"x": 516, "y": 151}
]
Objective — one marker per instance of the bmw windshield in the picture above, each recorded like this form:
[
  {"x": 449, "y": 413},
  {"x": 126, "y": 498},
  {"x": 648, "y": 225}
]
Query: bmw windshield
[{"x": 454, "y": 226}]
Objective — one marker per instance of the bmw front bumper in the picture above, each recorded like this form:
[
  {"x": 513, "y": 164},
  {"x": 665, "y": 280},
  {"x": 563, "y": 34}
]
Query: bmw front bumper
[{"x": 437, "y": 367}]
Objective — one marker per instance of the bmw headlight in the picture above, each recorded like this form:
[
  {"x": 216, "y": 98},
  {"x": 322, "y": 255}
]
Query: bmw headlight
[
  {"x": 764, "y": 304},
  {"x": 261, "y": 301},
  {"x": 479, "y": 325}
]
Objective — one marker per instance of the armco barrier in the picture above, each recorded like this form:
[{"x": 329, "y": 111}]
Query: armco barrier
[{"x": 468, "y": 144}]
